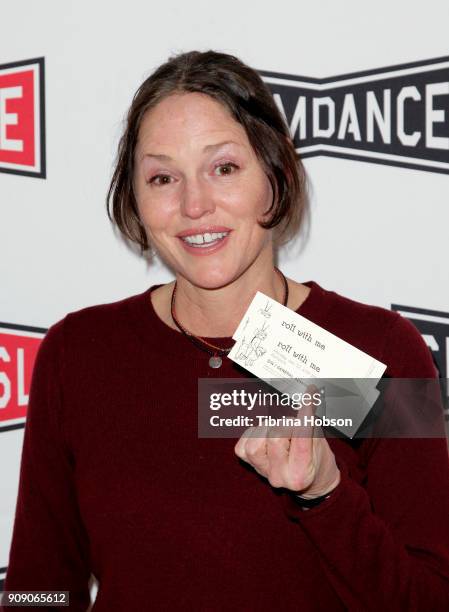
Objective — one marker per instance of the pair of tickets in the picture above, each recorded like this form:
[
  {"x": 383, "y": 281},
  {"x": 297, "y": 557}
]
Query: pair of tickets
[{"x": 285, "y": 349}]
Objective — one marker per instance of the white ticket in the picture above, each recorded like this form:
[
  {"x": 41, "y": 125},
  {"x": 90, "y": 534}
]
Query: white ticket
[{"x": 274, "y": 342}]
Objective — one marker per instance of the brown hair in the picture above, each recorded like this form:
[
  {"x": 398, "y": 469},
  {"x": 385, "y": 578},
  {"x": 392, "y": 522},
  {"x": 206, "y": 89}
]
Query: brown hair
[{"x": 242, "y": 91}]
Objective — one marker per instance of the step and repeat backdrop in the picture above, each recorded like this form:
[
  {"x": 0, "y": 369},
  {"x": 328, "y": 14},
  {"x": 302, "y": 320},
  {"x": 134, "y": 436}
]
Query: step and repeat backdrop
[{"x": 364, "y": 90}]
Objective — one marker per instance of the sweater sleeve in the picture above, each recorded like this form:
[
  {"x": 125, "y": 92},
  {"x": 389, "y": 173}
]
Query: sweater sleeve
[
  {"x": 383, "y": 539},
  {"x": 49, "y": 548}
]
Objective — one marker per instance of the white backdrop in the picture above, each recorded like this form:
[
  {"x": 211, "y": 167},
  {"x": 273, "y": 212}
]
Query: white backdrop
[{"x": 379, "y": 233}]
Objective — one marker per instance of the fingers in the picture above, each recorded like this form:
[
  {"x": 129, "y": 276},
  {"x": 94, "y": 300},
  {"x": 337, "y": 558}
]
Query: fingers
[
  {"x": 306, "y": 442},
  {"x": 277, "y": 455},
  {"x": 285, "y": 456},
  {"x": 266, "y": 449},
  {"x": 252, "y": 448},
  {"x": 302, "y": 435}
]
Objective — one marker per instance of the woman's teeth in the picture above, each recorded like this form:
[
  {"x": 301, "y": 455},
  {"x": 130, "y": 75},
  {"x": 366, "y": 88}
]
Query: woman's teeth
[{"x": 203, "y": 240}]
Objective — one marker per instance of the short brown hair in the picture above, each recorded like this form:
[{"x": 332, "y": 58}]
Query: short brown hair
[{"x": 242, "y": 91}]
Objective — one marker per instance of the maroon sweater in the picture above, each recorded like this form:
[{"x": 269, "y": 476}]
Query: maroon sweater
[{"x": 115, "y": 481}]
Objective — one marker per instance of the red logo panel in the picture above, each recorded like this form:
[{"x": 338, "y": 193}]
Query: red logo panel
[
  {"x": 22, "y": 121},
  {"x": 18, "y": 349}
]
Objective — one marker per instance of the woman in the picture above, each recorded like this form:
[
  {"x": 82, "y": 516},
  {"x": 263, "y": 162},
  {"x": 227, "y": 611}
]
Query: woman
[{"x": 114, "y": 479}]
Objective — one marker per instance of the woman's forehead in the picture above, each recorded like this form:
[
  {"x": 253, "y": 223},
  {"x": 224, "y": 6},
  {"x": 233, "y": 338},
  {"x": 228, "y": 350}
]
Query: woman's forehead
[
  {"x": 189, "y": 103},
  {"x": 194, "y": 117}
]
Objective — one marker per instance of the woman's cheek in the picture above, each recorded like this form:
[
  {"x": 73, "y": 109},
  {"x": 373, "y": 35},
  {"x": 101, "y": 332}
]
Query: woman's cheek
[
  {"x": 158, "y": 211},
  {"x": 257, "y": 194}
]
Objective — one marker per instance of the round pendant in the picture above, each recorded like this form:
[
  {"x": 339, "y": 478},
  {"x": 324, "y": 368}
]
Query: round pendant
[{"x": 215, "y": 361}]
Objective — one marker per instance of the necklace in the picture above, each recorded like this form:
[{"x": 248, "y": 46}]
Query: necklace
[{"x": 216, "y": 352}]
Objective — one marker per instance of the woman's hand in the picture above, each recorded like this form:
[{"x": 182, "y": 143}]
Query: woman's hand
[{"x": 293, "y": 458}]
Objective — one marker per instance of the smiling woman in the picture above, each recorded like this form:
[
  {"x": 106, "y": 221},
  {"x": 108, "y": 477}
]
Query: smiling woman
[
  {"x": 207, "y": 176},
  {"x": 114, "y": 478},
  {"x": 243, "y": 97},
  {"x": 209, "y": 195}
]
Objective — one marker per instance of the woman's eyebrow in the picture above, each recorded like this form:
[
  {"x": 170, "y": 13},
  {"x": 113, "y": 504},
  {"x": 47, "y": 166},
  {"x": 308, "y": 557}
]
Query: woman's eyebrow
[
  {"x": 206, "y": 149},
  {"x": 220, "y": 144}
]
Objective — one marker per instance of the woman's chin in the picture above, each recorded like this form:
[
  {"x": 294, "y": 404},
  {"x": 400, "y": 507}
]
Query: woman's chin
[{"x": 210, "y": 278}]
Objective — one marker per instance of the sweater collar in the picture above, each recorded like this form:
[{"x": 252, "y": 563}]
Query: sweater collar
[{"x": 149, "y": 326}]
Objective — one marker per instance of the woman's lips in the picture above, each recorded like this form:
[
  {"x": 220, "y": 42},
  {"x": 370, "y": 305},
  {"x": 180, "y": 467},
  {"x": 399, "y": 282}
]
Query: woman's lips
[
  {"x": 203, "y": 229},
  {"x": 213, "y": 247}
]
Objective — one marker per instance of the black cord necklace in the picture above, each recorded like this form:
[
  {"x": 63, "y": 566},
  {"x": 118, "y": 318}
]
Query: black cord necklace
[{"x": 216, "y": 352}]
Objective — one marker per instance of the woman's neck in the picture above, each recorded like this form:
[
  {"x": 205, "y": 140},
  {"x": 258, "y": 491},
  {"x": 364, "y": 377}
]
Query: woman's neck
[
  {"x": 217, "y": 312},
  {"x": 161, "y": 301}
]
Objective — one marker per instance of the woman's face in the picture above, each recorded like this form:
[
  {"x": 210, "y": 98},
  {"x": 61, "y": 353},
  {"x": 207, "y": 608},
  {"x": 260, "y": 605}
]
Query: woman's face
[{"x": 200, "y": 190}]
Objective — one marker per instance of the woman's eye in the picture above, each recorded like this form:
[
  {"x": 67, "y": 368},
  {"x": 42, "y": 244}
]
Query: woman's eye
[
  {"x": 160, "y": 179},
  {"x": 225, "y": 169}
]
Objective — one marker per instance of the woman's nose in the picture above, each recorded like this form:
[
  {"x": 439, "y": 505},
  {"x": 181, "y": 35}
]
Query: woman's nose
[{"x": 196, "y": 199}]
